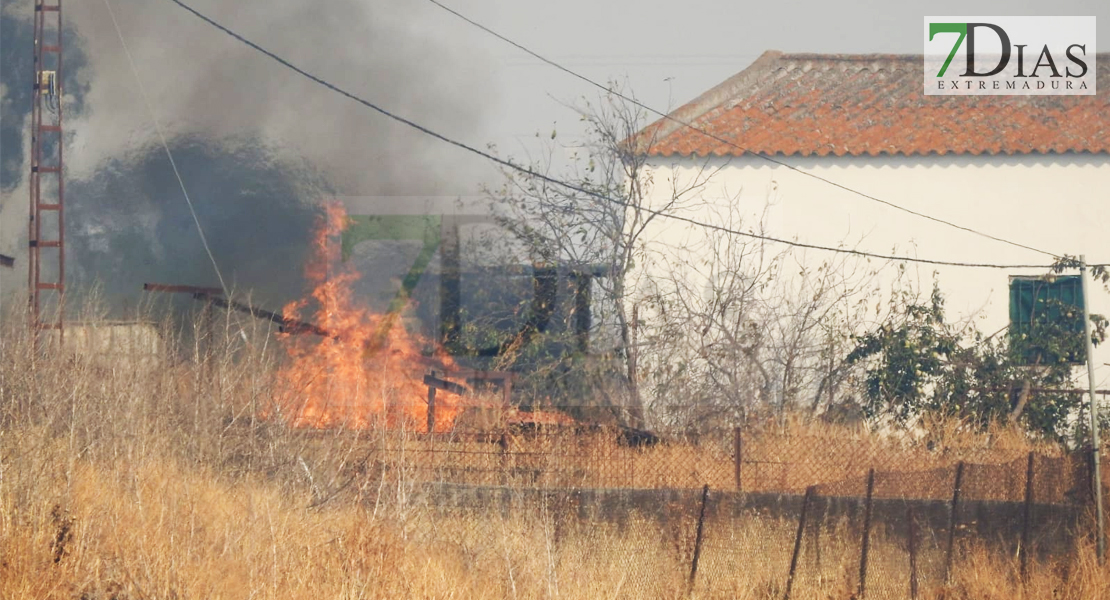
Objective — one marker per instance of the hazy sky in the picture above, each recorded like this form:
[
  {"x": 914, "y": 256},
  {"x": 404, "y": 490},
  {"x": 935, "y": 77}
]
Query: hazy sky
[
  {"x": 670, "y": 52},
  {"x": 425, "y": 63},
  {"x": 244, "y": 122}
]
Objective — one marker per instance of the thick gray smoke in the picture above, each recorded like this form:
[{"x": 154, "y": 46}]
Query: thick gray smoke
[{"x": 258, "y": 145}]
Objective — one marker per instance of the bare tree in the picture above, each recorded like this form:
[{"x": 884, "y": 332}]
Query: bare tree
[
  {"x": 705, "y": 329},
  {"x": 600, "y": 225},
  {"x": 742, "y": 324}
]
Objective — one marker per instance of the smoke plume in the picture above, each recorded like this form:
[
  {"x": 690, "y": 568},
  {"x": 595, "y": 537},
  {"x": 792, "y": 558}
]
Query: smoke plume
[{"x": 257, "y": 145}]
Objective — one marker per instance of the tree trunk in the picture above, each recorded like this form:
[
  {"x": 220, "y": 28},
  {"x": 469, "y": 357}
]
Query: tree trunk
[{"x": 635, "y": 404}]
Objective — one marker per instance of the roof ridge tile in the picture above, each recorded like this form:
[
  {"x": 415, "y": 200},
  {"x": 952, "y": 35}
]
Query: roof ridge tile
[{"x": 814, "y": 104}]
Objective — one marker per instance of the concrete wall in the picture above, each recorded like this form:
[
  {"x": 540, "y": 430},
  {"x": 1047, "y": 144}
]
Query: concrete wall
[
  {"x": 122, "y": 344},
  {"x": 1058, "y": 203}
]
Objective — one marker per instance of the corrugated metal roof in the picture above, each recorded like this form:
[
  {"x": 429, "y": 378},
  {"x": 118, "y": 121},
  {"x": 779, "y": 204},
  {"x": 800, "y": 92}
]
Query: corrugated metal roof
[{"x": 871, "y": 104}]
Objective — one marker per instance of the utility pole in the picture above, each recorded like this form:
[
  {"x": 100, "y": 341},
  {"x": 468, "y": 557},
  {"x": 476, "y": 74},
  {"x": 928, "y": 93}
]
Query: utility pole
[
  {"x": 1095, "y": 446},
  {"x": 46, "y": 227}
]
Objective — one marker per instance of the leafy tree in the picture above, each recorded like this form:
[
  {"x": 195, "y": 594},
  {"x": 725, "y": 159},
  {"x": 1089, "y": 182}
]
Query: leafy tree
[
  {"x": 907, "y": 355},
  {"x": 916, "y": 363}
]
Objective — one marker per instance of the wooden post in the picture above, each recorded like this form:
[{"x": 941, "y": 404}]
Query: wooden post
[
  {"x": 952, "y": 521},
  {"x": 698, "y": 538},
  {"x": 798, "y": 540},
  {"x": 1027, "y": 518},
  {"x": 866, "y": 544},
  {"x": 738, "y": 446},
  {"x": 507, "y": 390},
  {"x": 911, "y": 519},
  {"x": 431, "y": 410}
]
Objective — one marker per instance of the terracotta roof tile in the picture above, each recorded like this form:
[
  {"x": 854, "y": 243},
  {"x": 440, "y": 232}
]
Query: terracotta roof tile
[{"x": 841, "y": 104}]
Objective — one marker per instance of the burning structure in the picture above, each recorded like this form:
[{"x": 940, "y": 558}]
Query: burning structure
[
  {"x": 402, "y": 364},
  {"x": 422, "y": 357}
]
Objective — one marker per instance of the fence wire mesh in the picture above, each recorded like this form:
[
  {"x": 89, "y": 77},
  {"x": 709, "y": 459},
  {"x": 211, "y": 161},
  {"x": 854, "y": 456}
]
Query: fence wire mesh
[{"x": 597, "y": 494}]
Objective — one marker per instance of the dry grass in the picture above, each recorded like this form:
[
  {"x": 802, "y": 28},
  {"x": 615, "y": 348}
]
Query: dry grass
[
  {"x": 772, "y": 461},
  {"x": 119, "y": 481}
]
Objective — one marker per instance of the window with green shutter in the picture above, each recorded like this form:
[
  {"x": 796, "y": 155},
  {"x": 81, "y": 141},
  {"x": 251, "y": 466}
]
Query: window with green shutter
[{"x": 1046, "y": 319}]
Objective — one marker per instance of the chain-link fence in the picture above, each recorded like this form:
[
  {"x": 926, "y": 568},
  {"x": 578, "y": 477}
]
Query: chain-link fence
[{"x": 732, "y": 515}]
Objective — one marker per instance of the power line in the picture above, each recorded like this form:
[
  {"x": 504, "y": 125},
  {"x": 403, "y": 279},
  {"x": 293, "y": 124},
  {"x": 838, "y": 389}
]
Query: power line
[
  {"x": 166, "y": 147},
  {"x": 570, "y": 186},
  {"x": 726, "y": 141}
]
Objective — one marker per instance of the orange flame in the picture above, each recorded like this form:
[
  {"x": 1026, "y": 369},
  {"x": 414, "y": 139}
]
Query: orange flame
[{"x": 368, "y": 371}]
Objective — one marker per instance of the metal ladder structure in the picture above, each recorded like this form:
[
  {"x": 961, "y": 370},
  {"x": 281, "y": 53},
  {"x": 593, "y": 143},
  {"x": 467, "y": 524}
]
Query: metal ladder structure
[{"x": 46, "y": 233}]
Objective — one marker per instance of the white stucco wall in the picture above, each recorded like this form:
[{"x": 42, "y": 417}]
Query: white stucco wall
[{"x": 1058, "y": 203}]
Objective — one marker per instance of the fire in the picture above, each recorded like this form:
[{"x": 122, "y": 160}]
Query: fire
[{"x": 368, "y": 371}]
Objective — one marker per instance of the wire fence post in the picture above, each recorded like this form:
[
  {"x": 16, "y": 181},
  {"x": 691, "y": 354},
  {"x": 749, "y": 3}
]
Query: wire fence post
[
  {"x": 504, "y": 444},
  {"x": 1100, "y": 526},
  {"x": 1027, "y": 518},
  {"x": 912, "y": 542},
  {"x": 798, "y": 541},
  {"x": 698, "y": 538},
  {"x": 865, "y": 545},
  {"x": 816, "y": 540},
  {"x": 738, "y": 447},
  {"x": 952, "y": 521}
]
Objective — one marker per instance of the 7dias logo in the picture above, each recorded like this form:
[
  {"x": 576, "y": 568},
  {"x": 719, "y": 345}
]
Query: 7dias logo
[{"x": 1010, "y": 56}]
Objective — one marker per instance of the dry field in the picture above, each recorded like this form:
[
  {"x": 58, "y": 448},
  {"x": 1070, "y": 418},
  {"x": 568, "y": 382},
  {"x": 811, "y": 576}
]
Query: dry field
[{"x": 160, "y": 481}]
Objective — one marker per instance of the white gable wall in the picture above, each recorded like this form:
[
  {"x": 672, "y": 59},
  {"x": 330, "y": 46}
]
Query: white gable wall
[{"x": 1059, "y": 203}]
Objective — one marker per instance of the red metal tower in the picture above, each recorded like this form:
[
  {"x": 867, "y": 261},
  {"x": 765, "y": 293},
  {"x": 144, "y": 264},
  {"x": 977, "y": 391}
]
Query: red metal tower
[{"x": 46, "y": 233}]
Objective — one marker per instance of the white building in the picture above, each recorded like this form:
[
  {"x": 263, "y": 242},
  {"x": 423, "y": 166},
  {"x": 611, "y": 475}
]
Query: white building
[{"x": 1033, "y": 170}]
